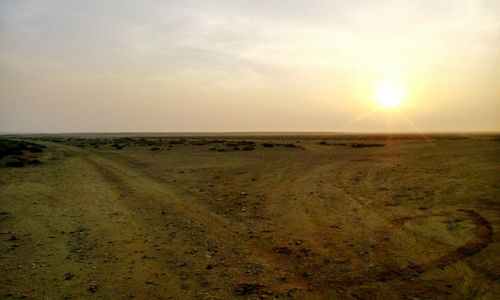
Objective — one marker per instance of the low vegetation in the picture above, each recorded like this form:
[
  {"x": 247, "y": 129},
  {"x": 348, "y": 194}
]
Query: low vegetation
[{"x": 18, "y": 153}]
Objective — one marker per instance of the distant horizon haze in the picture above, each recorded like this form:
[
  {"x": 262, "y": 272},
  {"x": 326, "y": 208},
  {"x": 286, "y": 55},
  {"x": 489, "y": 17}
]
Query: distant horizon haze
[{"x": 247, "y": 133}]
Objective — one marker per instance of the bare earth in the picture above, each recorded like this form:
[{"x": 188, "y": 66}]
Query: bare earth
[{"x": 355, "y": 217}]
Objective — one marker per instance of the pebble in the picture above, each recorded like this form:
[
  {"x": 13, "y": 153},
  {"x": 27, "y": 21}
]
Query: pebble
[
  {"x": 68, "y": 276},
  {"x": 93, "y": 288}
]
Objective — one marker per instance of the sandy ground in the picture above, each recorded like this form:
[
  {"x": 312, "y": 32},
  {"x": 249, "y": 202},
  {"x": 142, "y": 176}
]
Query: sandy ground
[{"x": 413, "y": 219}]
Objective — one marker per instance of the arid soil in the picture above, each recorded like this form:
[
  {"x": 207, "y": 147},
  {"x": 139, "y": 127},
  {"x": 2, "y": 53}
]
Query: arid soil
[{"x": 304, "y": 217}]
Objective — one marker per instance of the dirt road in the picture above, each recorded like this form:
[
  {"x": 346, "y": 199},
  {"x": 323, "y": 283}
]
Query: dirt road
[{"x": 412, "y": 219}]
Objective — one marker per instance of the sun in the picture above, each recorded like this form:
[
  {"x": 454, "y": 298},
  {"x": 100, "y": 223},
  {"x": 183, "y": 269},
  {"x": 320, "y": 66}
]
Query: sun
[
  {"x": 390, "y": 98},
  {"x": 390, "y": 95}
]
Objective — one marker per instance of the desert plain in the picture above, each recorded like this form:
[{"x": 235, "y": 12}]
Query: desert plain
[{"x": 250, "y": 216}]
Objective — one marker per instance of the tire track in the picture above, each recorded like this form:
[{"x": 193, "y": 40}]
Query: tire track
[
  {"x": 159, "y": 196},
  {"x": 483, "y": 236}
]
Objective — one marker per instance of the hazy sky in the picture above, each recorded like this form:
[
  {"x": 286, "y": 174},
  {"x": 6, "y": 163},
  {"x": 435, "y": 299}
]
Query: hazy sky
[{"x": 241, "y": 65}]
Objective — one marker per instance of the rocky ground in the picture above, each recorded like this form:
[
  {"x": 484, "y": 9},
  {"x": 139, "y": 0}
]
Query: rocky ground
[{"x": 295, "y": 217}]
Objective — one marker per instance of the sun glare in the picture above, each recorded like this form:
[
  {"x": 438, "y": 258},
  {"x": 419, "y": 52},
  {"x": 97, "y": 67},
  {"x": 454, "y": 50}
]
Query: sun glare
[{"x": 390, "y": 95}]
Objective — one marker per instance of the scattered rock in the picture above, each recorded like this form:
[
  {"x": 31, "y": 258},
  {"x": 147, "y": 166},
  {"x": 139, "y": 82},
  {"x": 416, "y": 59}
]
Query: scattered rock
[
  {"x": 93, "y": 288},
  {"x": 248, "y": 288},
  {"x": 282, "y": 250},
  {"x": 13, "y": 238}
]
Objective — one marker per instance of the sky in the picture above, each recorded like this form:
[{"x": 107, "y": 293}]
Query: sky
[{"x": 241, "y": 65}]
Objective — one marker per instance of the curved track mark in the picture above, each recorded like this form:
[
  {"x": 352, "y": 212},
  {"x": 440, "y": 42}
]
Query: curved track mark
[{"x": 483, "y": 237}]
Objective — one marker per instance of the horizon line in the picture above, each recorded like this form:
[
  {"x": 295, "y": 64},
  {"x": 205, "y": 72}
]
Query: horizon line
[{"x": 214, "y": 133}]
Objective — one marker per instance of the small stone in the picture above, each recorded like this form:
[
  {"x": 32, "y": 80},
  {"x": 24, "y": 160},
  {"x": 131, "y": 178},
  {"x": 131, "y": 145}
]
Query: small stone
[
  {"x": 13, "y": 238},
  {"x": 93, "y": 288}
]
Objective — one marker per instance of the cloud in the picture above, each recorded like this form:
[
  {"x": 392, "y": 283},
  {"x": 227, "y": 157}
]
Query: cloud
[{"x": 276, "y": 53}]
